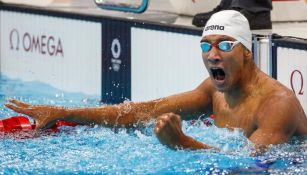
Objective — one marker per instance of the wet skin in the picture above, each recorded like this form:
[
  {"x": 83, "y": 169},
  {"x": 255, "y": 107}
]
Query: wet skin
[{"x": 237, "y": 93}]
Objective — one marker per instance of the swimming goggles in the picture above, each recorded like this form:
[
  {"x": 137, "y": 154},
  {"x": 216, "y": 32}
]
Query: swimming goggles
[{"x": 225, "y": 46}]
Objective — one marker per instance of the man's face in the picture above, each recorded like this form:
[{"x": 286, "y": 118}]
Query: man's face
[{"x": 225, "y": 67}]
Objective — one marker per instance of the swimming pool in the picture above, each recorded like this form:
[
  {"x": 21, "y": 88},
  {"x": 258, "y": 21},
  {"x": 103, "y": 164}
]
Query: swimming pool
[{"x": 101, "y": 150}]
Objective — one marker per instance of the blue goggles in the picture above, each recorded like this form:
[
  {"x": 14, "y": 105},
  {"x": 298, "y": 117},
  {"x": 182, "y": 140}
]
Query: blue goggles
[{"x": 225, "y": 46}]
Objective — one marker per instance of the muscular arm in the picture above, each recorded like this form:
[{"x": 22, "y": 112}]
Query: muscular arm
[
  {"x": 192, "y": 102},
  {"x": 186, "y": 104},
  {"x": 277, "y": 120}
]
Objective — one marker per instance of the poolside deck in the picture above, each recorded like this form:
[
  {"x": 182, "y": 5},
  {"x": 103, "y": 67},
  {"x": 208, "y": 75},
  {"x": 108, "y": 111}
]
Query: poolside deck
[{"x": 161, "y": 11}]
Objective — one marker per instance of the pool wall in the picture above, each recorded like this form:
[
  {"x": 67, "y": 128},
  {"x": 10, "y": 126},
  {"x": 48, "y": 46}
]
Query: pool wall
[
  {"x": 113, "y": 58},
  {"x": 289, "y": 65},
  {"x": 63, "y": 52},
  {"x": 121, "y": 58}
]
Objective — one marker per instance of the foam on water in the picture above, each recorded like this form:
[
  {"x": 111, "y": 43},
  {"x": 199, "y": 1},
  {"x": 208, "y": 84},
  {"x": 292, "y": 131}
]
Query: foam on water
[{"x": 96, "y": 149}]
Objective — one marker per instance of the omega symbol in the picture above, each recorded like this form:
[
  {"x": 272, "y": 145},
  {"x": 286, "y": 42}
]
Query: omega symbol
[
  {"x": 298, "y": 73},
  {"x": 14, "y": 39}
]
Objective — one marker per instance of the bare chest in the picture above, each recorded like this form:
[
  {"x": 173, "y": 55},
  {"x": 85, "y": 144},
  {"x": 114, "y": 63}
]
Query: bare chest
[{"x": 241, "y": 115}]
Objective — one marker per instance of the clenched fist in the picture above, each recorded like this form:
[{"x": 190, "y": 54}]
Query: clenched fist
[{"x": 168, "y": 130}]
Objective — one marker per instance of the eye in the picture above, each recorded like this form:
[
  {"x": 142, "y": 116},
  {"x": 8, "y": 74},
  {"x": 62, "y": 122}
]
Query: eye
[
  {"x": 205, "y": 47},
  {"x": 225, "y": 45}
]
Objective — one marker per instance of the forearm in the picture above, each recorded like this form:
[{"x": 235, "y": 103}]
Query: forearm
[
  {"x": 190, "y": 143},
  {"x": 121, "y": 114},
  {"x": 105, "y": 115}
]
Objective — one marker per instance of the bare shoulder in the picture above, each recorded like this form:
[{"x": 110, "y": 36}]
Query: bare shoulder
[
  {"x": 280, "y": 98},
  {"x": 280, "y": 109},
  {"x": 276, "y": 95}
]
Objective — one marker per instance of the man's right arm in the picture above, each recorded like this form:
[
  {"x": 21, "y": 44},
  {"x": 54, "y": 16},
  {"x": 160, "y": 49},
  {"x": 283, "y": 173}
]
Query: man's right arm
[{"x": 192, "y": 102}]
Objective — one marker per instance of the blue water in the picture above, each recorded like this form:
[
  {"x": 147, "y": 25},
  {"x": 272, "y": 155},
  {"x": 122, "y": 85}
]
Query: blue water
[{"x": 101, "y": 150}]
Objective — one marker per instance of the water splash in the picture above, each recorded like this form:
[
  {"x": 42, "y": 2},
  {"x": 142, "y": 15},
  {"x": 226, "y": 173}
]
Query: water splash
[{"x": 96, "y": 149}]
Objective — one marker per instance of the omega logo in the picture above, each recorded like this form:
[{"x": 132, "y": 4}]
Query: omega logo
[
  {"x": 41, "y": 44},
  {"x": 298, "y": 73},
  {"x": 116, "y": 51}
]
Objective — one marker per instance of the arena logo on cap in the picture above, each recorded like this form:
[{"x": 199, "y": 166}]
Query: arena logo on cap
[{"x": 214, "y": 27}]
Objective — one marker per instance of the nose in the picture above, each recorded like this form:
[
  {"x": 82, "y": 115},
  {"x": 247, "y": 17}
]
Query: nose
[
  {"x": 214, "y": 60},
  {"x": 213, "y": 56}
]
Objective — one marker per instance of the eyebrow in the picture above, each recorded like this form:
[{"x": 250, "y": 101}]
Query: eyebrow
[{"x": 224, "y": 38}]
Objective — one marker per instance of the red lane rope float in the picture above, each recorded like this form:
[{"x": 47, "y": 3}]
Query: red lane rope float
[{"x": 21, "y": 123}]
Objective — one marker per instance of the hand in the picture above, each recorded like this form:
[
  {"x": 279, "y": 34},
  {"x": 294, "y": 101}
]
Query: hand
[
  {"x": 168, "y": 130},
  {"x": 44, "y": 116}
]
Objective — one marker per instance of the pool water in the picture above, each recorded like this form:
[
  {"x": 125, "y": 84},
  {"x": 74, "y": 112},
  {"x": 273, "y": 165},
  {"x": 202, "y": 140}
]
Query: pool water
[{"x": 102, "y": 150}]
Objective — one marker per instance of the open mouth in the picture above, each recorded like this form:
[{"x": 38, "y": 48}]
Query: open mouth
[{"x": 218, "y": 74}]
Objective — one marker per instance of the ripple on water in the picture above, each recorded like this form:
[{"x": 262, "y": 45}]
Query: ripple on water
[{"x": 93, "y": 150}]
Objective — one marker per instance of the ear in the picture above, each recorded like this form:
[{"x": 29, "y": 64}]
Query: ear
[{"x": 247, "y": 54}]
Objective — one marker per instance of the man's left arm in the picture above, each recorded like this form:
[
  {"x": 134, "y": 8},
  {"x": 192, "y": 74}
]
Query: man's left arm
[
  {"x": 168, "y": 130},
  {"x": 277, "y": 120}
]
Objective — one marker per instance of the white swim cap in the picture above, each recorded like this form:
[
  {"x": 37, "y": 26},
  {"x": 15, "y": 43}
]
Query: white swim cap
[{"x": 231, "y": 23}]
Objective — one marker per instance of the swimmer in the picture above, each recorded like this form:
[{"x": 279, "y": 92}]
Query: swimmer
[{"x": 238, "y": 93}]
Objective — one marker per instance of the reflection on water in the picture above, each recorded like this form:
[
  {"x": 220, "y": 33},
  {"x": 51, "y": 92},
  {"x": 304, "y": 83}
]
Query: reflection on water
[{"x": 96, "y": 150}]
